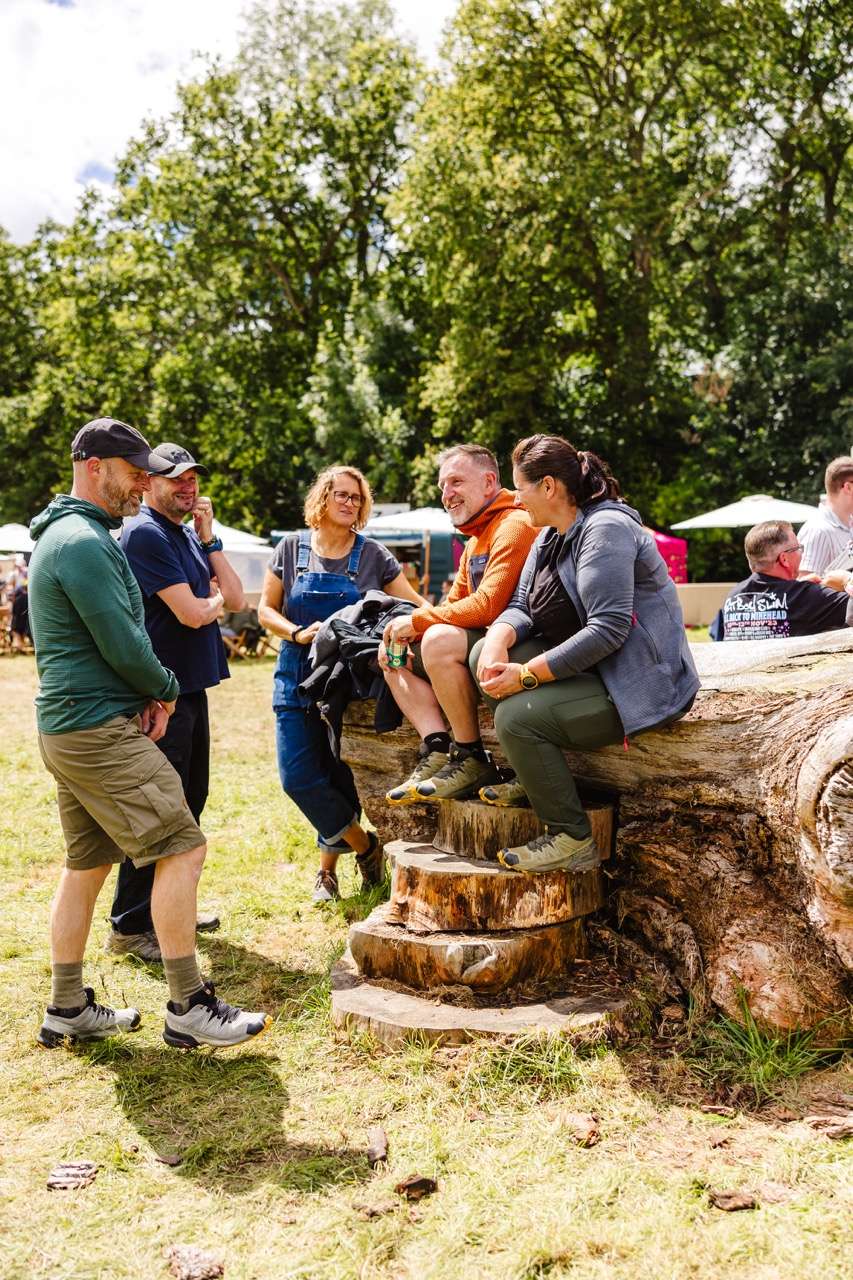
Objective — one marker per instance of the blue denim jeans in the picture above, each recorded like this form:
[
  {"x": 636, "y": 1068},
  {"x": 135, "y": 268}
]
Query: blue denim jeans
[{"x": 322, "y": 787}]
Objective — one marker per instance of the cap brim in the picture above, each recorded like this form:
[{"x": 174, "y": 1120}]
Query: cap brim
[
  {"x": 180, "y": 467},
  {"x": 148, "y": 461}
]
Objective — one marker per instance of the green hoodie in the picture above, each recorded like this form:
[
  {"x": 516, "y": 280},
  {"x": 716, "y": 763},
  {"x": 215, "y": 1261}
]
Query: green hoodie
[{"x": 87, "y": 619}]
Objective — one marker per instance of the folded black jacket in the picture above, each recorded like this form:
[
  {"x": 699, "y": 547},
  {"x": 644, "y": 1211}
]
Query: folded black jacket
[{"x": 344, "y": 665}]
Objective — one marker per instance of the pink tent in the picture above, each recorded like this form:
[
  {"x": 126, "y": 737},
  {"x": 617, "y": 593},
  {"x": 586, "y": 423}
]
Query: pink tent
[{"x": 674, "y": 552}]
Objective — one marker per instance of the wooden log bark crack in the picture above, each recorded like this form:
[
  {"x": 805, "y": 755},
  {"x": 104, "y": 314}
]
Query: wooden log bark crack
[{"x": 738, "y": 821}]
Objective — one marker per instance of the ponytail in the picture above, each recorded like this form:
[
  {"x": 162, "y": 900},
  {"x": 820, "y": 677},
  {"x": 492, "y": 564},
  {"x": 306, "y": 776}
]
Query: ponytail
[{"x": 586, "y": 478}]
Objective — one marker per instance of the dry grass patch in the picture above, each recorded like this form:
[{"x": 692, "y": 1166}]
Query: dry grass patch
[{"x": 272, "y": 1140}]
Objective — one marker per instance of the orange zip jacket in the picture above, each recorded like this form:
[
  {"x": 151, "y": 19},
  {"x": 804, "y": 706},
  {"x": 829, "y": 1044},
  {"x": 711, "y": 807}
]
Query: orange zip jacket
[{"x": 503, "y": 532}]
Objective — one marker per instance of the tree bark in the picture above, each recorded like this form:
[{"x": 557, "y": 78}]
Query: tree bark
[{"x": 734, "y": 855}]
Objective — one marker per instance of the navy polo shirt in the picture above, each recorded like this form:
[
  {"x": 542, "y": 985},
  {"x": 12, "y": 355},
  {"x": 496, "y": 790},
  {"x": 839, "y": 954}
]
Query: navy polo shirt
[{"x": 162, "y": 554}]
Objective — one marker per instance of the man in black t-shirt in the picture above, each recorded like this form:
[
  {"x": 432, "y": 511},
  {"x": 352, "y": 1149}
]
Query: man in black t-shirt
[
  {"x": 772, "y": 604},
  {"x": 185, "y": 578}
]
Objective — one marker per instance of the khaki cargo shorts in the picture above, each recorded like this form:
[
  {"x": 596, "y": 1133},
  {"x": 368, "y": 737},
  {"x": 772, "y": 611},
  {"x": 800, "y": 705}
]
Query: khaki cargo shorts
[
  {"x": 118, "y": 796},
  {"x": 472, "y": 636}
]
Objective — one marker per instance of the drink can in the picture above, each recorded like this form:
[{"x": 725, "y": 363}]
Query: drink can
[{"x": 397, "y": 651}]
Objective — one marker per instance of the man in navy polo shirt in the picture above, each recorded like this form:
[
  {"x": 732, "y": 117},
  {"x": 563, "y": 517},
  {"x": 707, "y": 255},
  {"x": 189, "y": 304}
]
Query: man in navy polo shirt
[{"x": 185, "y": 579}]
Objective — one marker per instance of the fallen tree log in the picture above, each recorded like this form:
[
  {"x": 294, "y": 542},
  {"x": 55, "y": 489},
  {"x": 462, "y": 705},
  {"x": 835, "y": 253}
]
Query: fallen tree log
[{"x": 734, "y": 855}]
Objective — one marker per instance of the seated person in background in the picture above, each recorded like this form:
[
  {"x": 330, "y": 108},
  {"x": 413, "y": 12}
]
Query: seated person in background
[
  {"x": 592, "y": 647},
  {"x": 829, "y": 532},
  {"x": 436, "y": 682},
  {"x": 771, "y": 604}
]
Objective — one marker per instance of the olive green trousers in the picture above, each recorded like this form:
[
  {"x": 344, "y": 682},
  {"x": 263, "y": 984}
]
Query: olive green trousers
[{"x": 536, "y": 726}]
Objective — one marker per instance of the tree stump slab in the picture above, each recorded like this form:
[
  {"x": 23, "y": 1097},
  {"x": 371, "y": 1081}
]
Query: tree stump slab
[
  {"x": 476, "y": 830},
  {"x": 486, "y": 962},
  {"x": 433, "y": 892},
  {"x": 734, "y": 858},
  {"x": 395, "y": 1016}
]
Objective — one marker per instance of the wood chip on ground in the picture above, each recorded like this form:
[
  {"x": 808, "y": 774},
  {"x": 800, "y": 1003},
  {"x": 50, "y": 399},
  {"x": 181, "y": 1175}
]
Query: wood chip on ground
[
  {"x": 415, "y": 1187},
  {"x": 71, "y": 1175},
  {"x": 731, "y": 1201},
  {"x": 377, "y": 1146},
  {"x": 187, "y": 1262}
]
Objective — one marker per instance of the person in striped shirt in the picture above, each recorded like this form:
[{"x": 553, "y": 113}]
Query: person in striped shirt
[{"x": 829, "y": 532}]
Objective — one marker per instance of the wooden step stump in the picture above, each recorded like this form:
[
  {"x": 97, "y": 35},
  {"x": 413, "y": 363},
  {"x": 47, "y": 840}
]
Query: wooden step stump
[
  {"x": 476, "y": 830},
  {"x": 483, "y": 962},
  {"x": 589, "y": 1012},
  {"x": 434, "y": 892}
]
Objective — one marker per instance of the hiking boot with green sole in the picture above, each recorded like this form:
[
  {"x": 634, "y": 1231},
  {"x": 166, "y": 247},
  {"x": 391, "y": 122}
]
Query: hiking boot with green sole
[
  {"x": 462, "y": 776},
  {"x": 505, "y": 795},
  {"x": 429, "y": 763},
  {"x": 553, "y": 851}
]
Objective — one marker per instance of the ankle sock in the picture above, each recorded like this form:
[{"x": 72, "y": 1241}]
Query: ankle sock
[
  {"x": 184, "y": 979},
  {"x": 438, "y": 742},
  {"x": 475, "y": 749},
  {"x": 66, "y": 986}
]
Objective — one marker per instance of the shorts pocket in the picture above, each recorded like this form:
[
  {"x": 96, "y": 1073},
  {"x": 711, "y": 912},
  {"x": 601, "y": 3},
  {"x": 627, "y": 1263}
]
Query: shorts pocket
[{"x": 147, "y": 808}]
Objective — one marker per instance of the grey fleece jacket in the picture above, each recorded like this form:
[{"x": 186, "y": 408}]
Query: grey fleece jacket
[{"x": 633, "y": 631}]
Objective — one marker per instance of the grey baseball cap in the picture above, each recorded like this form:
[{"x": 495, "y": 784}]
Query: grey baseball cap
[{"x": 178, "y": 460}]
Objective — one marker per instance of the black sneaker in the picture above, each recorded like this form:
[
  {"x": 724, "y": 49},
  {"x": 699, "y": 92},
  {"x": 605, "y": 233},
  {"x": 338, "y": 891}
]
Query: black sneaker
[
  {"x": 209, "y": 1020},
  {"x": 371, "y": 863}
]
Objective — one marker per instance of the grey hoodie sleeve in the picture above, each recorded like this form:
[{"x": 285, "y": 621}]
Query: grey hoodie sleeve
[{"x": 604, "y": 573}]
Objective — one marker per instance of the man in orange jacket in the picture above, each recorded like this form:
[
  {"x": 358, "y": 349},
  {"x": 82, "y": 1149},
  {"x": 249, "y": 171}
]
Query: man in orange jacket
[{"x": 436, "y": 678}]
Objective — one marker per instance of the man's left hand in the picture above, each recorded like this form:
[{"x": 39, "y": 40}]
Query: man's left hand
[
  {"x": 400, "y": 631},
  {"x": 504, "y": 678},
  {"x": 155, "y": 718},
  {"x": 203, "y": 519}
]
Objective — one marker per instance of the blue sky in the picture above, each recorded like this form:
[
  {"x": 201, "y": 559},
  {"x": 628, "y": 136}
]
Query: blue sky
[{"x": 78, "y": 76}]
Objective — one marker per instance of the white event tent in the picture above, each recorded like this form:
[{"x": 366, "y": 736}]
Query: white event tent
[
  {"x": 15, "y": 538},
  {"x": 749, "y": 511}
]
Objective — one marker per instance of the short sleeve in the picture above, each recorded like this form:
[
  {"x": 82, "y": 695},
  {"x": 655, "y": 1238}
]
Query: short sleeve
[
  {"x": 154, "y": 561},
  {"x": 389, "y": 565}
]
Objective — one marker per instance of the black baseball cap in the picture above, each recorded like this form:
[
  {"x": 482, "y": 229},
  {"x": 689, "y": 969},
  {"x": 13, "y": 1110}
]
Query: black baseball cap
[
  {"x": 109, "y": 438},
  {"x": 177, "y": 459}
]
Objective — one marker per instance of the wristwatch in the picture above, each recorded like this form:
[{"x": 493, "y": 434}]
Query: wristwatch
[
  {"x": 215, "y": 544},
  {"x": 527, "y": 678}
]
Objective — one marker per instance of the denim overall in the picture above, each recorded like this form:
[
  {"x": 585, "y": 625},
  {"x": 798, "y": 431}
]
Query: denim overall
[{"x": 321, "y": 786}]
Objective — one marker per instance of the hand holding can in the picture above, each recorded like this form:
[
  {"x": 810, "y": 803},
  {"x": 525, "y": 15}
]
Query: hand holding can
[{"x": 397, "y": 651}]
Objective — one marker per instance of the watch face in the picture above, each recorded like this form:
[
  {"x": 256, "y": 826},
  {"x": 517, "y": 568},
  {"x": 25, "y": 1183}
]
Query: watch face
[{"x": 529, "y": 681}]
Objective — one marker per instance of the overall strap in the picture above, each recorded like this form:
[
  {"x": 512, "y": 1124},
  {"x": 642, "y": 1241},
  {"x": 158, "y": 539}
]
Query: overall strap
[
  {"x": 355, "y": 556},
  {"x": 304, "y": 552}
]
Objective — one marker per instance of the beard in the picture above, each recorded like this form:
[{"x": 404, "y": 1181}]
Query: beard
[{"x": 114, "y": 496}]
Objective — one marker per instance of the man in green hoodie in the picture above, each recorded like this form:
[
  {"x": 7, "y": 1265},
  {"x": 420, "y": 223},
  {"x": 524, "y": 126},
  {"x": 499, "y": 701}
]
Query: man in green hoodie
[{"x": 103, "y": 703}]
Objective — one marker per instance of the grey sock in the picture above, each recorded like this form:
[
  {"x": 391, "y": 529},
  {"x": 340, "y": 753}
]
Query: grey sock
[
  {"x": 66, "y": 990},
  {"x": 183, "y": 978}
]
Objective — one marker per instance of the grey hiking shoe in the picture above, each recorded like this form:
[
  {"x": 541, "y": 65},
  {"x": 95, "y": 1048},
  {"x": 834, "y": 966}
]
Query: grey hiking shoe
[
  {"x": 144, "y": 945},
  {"x": 429, "y": 763},
  {"x": 553, "y": 851},
  {"x": 505, "y": 794},
  {"x": 461, "y": 776},
  {"x": 371, "y": 863},
  {"x": 209, "y": 1020},
  {"x": 325, "y": 887},
  {"x": 92, "y": 1022}
]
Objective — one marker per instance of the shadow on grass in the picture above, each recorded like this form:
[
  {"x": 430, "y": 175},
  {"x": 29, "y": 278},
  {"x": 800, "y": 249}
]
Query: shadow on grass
[{"x": 220, "y": 1122}]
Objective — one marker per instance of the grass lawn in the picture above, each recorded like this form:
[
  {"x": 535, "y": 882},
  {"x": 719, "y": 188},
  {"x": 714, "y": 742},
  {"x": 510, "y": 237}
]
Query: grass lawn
[{"x": 260, "y": 1155}]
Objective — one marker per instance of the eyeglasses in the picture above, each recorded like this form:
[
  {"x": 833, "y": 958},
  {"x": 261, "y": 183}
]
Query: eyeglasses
[
  {"x": 798, "y": 546},
  {"x": 354, "y": 499}
]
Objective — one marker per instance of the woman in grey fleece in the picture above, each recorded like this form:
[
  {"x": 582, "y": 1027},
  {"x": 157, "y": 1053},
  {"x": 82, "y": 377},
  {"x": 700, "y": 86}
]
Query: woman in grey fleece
[{"x": 599, "y": 651}]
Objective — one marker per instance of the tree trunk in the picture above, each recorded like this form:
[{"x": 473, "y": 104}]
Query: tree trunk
[{"x": 734, "y": 853}]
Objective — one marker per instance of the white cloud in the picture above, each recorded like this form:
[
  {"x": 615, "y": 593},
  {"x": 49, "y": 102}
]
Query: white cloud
[{"x": 77, "y": 78}]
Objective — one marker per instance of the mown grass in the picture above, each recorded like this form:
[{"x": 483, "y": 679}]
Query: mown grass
[{"x": 272, "y": 1139}]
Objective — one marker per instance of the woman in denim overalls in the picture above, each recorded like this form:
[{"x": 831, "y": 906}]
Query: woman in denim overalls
[{"x": 337, "y": 506}]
